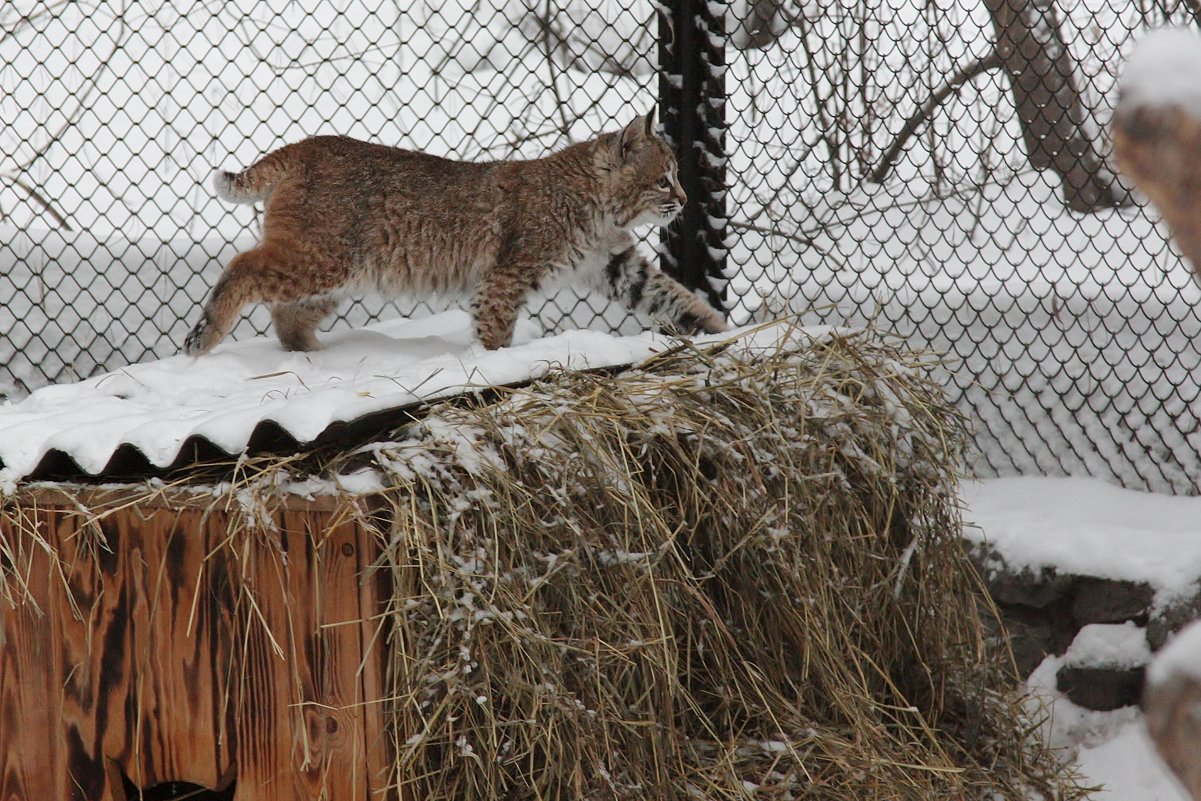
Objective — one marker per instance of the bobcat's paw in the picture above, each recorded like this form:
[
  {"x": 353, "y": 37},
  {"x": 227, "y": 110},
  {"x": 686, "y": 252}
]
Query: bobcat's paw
[
  {"x": 715, "y": 324},
  {"x": 200, "y": 339},
  {"x": 700, "y": 321},
  {"x": 299, "y": 343}
]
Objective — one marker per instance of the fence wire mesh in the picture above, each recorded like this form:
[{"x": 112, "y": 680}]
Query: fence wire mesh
[{"x": 938, "y": 168}]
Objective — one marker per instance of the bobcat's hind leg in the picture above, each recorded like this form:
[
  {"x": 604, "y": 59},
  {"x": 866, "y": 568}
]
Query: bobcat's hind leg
[
  {"x": 251, "y": 277},
  {"x": 296, "y": 322}
]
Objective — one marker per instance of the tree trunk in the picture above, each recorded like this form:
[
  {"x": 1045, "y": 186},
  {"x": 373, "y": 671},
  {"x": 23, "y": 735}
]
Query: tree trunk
[{"x": 1050, "y": 108}]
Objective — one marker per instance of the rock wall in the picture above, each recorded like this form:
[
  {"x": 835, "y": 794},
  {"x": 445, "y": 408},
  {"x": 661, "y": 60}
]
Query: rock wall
[{"x": 1089, "y": 621}]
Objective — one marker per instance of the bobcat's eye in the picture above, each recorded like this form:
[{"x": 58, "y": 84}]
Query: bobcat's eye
[{"x": 664, "y": 182}]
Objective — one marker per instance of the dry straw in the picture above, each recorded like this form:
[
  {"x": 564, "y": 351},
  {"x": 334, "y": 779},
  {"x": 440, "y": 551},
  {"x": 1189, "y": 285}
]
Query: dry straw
[{"x": 730, "y": 573}]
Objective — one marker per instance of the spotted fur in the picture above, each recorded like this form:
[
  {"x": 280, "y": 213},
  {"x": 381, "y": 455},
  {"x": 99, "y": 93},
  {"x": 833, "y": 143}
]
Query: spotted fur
[{"x": 344, "y": 217}]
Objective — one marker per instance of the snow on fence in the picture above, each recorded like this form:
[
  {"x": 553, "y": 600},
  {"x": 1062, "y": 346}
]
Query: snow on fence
[{"x": 939, "y": 169}]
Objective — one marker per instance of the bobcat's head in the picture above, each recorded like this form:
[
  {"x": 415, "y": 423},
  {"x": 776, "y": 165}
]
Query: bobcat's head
[{"x": 641, "y": 170}]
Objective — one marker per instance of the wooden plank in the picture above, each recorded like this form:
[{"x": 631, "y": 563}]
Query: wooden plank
[
  {"x": 141, "y": 692},
  {"x": 336, "y": 711},
  {"x": 179, "y": 635},
  {"x": 374, "y": 590},
  {"x": 1156, "y": 146},
  {"x": 300, "y": 720},
  {"x": 167, "y": 654},
  {"x": 266, "y": 717},
  {"x": 32, "y": 757},
  {"x": 90, "y": 620}
]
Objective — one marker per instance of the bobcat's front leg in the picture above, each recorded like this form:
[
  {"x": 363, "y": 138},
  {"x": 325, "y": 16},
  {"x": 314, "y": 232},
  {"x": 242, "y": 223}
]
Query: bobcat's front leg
[
  {"x": 643, "y": 287},
  {"x": 497, "y": 300}
]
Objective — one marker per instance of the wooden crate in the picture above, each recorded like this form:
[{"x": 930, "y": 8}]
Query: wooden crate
[{"x": 157, "y": 646}]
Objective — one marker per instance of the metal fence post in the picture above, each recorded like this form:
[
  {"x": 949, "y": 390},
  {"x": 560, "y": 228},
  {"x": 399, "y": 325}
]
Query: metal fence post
[{"x": 692, "y": 103}]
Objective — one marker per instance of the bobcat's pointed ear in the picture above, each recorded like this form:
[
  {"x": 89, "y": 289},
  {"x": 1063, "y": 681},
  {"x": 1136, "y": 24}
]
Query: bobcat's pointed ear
[
  {"x": 631, "y": 135},
  {"x": 650, "y": 121}
]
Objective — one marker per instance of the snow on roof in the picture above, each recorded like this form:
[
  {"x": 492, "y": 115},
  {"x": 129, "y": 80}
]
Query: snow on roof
[
  {"x": 1164, "y": 70},
  {"x": 253, "y": 396}
]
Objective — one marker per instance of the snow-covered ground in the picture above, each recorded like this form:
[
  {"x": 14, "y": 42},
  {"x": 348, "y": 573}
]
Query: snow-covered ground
[
  {"x": 1095, "y": 528},
  {"x": 1111, "y": 749},
  {"x": 1091, "y": 528},
  {"x": 1087, "y": 527}
]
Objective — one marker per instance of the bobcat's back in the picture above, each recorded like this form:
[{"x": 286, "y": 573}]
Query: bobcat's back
[{"x": 356, "y": 216}]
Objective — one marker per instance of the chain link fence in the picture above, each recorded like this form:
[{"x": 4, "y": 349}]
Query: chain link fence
[
  {"x": 940, "y": 169},
  {"x": 936, "y": 168}
]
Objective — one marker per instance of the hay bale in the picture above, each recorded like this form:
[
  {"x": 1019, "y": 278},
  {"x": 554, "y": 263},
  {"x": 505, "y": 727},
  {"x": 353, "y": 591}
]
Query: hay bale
[{"x": 729, "y": 573}]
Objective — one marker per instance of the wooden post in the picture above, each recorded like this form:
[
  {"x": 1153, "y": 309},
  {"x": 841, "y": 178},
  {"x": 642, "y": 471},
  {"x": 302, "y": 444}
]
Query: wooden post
[
  {"x": 156, "y": 647},
  {"x": 1172, "y": 704},
  {"x": 1159, "y": 148}
]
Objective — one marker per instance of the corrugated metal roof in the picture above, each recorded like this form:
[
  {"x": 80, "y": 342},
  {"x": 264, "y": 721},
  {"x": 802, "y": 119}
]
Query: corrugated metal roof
[{"x": 252, "y": 397}]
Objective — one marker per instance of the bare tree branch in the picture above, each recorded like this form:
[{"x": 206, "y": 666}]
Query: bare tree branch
[
  {"x": 72, "y": 119},
  {"x": 82, "y": 103},
  {"x": 607, "y": 62},
  {"x": 952, "y": 85},
  {"x": 40, "y": 199},
  {"x": 1194, "y": 9},
  {"x": 11, "y": 26},
  {"x": 549, "y": 51},
  {"x": 824, "y": 122}
]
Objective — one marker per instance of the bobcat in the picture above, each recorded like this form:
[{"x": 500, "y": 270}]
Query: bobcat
[{"x": 344, "y": 216}]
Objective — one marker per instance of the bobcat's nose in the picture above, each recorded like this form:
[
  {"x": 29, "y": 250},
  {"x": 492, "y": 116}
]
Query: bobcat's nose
[{"x": 679, "y": 197}]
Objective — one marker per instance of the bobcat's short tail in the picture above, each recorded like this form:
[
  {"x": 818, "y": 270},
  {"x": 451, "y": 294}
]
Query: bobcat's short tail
[
  {"x": 223, "y": 183},
  {"x": 251, "y": 184}
]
